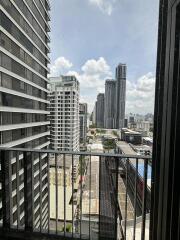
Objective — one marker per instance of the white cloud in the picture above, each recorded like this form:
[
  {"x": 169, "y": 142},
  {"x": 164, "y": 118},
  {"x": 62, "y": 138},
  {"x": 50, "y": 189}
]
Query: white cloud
[
  {"x": 92, "y": 79},
  {"x": 94, "y": 72},
  {"x": 59, "y": 66},
  {"x": 92, "y": 76},
  {"x": 106, "y": 6},
  {"x": 140, "y": 95}
]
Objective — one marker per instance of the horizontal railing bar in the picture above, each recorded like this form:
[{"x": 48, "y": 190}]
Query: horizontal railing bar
[
  {"x": 98, "y": 154},
  {"x": 21, "y": 234}
]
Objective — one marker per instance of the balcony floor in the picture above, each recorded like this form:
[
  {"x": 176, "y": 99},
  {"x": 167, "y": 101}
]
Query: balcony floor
[{"x": 19, "y": 235}]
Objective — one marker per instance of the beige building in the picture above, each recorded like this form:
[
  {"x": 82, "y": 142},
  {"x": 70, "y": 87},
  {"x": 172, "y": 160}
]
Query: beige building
[
  {"x": 60, "y": 176},
  {"x": 57, "y": 191}
]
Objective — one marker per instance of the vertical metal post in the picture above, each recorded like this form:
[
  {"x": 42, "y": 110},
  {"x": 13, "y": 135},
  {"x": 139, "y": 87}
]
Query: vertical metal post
[
  {"x": 32, "y": 187},
  {"x": 135, "y": 199},
  {"x": 126, "y": 197},
  {"x": 72, "y": 176},
  {"x": 48, "y": 193},
  {"x": 144, "y": 200},
  {"x": 40, "y": 189},
  {"x": 64, "y": 167},
  {"x": 100, "y": 196},
  {"x": 116, "y": 195},
  {"x": 90, "y": 197},
  {"x": 17, "y": 188},
  {"x": 81, "y": 197},
  {"x": 56, "y": 184},
  {"x": 5, "y": 189},
  {"x": 28, "y": 192}
]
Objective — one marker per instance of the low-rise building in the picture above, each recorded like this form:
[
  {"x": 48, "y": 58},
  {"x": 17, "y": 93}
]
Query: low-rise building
[
  {"x": 143, "y": 125},
  {"x": 131, "y": 136}
]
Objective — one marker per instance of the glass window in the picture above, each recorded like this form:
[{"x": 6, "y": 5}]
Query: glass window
[
  {"x": 6, "y": 118},
  {"x": 15, "y": 49},
  {"x": 18, "y": 69},
  {"x": 29, "y": 75},
  {"x": 6, "y": 62},
  {"x": 22, "y": 54},
  {"x": 6, "y": 136},
  {"x": 6, "y": 81},
  {"x": 5, "y": 41}
]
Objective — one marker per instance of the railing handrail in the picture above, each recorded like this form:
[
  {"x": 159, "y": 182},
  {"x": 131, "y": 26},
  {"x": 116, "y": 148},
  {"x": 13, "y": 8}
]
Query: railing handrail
[{"x": 98, "y": 154}]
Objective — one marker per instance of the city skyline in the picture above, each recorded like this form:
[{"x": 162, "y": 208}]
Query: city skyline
[
  {"x": 112, "y": 174},
  {"x": 92, "y": 60}
]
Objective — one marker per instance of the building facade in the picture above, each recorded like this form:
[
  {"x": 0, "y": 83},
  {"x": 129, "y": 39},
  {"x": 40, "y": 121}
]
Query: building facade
[
  {"x": 109, "y": 104},
  {"x": 143, "y": 125},
  {"x": 23, "y": 101},
  {"x": 64, "y": 113},
  {"x": 83, "y": 122},
  {"x": 94, "y": 114},
  {"x": 120, "y": 95},
  {"x": 100, "y": 111}
]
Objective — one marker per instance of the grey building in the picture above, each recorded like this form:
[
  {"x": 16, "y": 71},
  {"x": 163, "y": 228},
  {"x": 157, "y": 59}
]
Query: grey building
[
  {"x": 120, "y": 95},
  {"x": 131, "y": 119},
  {"x": 109, "y": 104},
  {"x": 83, "y": 122},
  {"x": 125, "y": 122},
  {"x": 100, "y": 111},
  {"x": 94, "y": 114},
  {"x": 64, "y": 113},
  {"x": 23, "y": 102}
]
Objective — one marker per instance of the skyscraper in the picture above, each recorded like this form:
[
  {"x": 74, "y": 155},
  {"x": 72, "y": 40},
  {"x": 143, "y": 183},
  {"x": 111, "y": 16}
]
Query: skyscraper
[
  {"x": 64, "y": 113},
  {"x": 120, "y": 95},
  {"x": 23, "y": 100},
  {"x": 83, "y": 122},
  {"x": 109, "y": 104},
  {"x": 100, "y": 111},
  {"x": 94, "y": 114}
]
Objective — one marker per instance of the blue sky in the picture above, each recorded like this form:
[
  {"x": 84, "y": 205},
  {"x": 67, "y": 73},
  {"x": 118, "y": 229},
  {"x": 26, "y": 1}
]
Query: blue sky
[{"x": 90, "y": 37}]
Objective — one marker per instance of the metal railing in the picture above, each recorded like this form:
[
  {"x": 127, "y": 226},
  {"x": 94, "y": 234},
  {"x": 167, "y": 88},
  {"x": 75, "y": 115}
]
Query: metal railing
[{"x": 76, "y": 195}]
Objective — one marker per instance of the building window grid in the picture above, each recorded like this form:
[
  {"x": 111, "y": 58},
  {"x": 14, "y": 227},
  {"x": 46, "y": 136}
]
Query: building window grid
[
  {"x": 21, "y": 38},
  {"x": 15, "y": 67},
  {"x": 10, "y": 8}
]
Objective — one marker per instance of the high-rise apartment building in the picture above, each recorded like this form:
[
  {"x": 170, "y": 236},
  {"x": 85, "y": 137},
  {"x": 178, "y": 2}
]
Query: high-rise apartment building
[
  {"x": 100, "y": 111},
  {"x": 109, "y": 104},
  {"x": 120, "y": 95},
  {"x": 64, "y": 113},
  {"x": 94, "y": 114},
  {"x": 23, "y": 102},
  {"x": 83, "y": 122}
]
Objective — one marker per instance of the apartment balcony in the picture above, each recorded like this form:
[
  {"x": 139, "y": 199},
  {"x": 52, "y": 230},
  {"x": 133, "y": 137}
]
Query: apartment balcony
[{"x": 107, "y": 197}]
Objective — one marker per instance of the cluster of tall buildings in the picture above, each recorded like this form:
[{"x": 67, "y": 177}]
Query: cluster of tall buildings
[{"x": 109, "y": 109}]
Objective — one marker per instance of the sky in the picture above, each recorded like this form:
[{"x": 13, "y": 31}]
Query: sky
[{"x": 89, "y": 38}]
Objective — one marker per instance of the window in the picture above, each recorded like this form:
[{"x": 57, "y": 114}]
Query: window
[
  {"x": 6, "y": 118},
  {"x": 6, "y": 62},
  {"x": 6, "y": 136},
  {"x": 6, "y": 81}
]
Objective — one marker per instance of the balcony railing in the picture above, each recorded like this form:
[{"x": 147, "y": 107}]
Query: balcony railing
[{"x": 76, "y": 195}]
